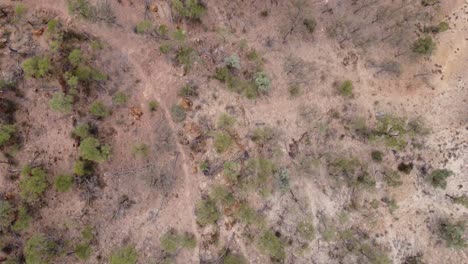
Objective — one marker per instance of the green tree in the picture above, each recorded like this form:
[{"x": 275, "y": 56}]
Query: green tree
[
  {"x": 98, "y": 109},
  {"x": 36, "y": 66},
  {"x": 82, "y": 131},
  {"x": 39, "y": 250},
  {"x": 64, "y": 182},
  {"x": 91, "y": 149},
  {"x": 33, "y": 183},
  {"x": 61, "y": 102},
  {"x": 82, "y": 168}
]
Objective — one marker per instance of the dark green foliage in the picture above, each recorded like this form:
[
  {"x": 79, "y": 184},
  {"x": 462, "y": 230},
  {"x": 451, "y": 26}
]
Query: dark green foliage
[
  {"x": 23, "y": 219},
  {"x": 82, "y": 168},
  {"x": 6, "y": 133},
  {"x": 7, "y": 214},
  {"x": 272, "y": 245},
  {"x": 346, "y": 88},
  {"x": 453, "y": 233},
  {"x": 120, "y": 98},
  {"x": 190, "y": 9},
  {"x": 52, "y": 26},
  {"x": 424, "y": 45},
  {"x": 441, "y": 27},
  {"x": 172, "y": 241},
  {"x": 206, "y": 212},
  {"x": 306, "y": 230},
  {"x": 392, "y": 178},
  {"x": 98, "y": 109},
  {"x": 439, "y": 178},
  {"x": 86, "y": 73},
  {"x": 39, "y": 250},
  {"x": 178, "y": 113},
  {"x": 36, "y": 66},
  {"x": 82, "y": 131},
  {"x": 377, "y": 156},
  {"x": 7, "y": 85},
  {"x": 153, "y": 106},
  {"x": 429, "y": 2},
  {"x": 124, "y": 255},
  {"x": 222, "y": 142},
  {"x": 310, "y": 24},
  {"x": 91, "y": 149},
  {"x": 64, "y": 182},
  {"x": 33, "y": 183},
  {"x": 61, "y": 102},
  {"x": 405, "y": 167}
]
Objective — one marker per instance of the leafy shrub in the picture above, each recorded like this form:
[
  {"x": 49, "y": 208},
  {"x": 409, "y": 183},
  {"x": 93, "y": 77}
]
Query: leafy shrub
[
  {"x": 153, "y": 106},
  {"x": 6, "y": 133},
  {"x": 231, "y": 172},
  {"x": 346, "y": 88},
  {"x": 186, "y": 56},
  {"x": 178, "y": 113},
  {"x": 20, "y": 10},
  {"x": 143, "y": 27},
  {"x": 191, "y": 9},
  {"x": 306, "y": 230},
  {"x": 33, "y": 183},
  {"x": 179, "y": 35},
  {"x": 165, "y": 48},
  {"x": 64, "y": 182},
  {"x": 222, "y": 196},
  {"x": 39, "y": 250},
  {"x": 392, "y": 178},
  {"x": 36, "y": 66},
  {"x": 249, "y": 216},
  {"x": 86, "y": 73},
  {"x": 82, "y": 168},
  {"x": 226, "y": 121},
  {"x": 172, "y": 241},
  {"x": 82, "y": 131},
  {"x": 82, "y": 8},
  {"x": 7, "y": 85},
  {"x": 453, "y": 233},
  {"x": 377, "y": 156},
  {"x": 23, "y": 219},
  {"x": 98, "y": 109},
  {"x": 424, "y": 45},
  {"x": 263, "y": 135},
  {"x": 120, "y": 98},
  {"x": 52, "y": 26},
  {"x": 7, "y": 214},
  {"x": 310, "y": 24},
  {"x": 83, "y": 251},
  {"x": 439, "y": 178},
  {"x": 222, "y": 142},
  {"x": 61, "y": 102},
  {"x": 188, "y": 90},
  {"x": 124, "y": 255},
  {"x": 75, "y": 57},
  {"x": 463, "y": 200},
  {"x": 260, "y": 170},
  {"x": 232, "y": 258},
  {"x": 91, "y": 149},
  {"x": 262, "y": 82},
  {"x": 233, "y": 62},
  {"x": 429, "y": 2},
  {"x": 206, "y": 212},
  {"x": 272, "y": 245}
]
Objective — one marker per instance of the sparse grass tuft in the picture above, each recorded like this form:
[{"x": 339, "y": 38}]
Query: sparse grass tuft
[
  {"x": 453, "y": 233},
  {"x": 346, "y": 89},
  {"x": 424, "y": 45},
  {"x": 124, "y": 255},
  {"x": 439, "y": 178},
  {"x": 172, "y": 241},
  {"x": 226, "y": 121},
  {"x": 206, "y": 212},
  {"x": 272, "y": 245},
  {"x": 222, "y": 142}
]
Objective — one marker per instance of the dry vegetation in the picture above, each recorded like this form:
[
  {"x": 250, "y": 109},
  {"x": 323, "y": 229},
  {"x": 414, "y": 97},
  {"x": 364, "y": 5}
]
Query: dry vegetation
[{"x": 235, "y": 132}]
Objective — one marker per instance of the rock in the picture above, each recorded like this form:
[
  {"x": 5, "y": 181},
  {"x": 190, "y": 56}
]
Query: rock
[
  {"x": 136, "y": 113},
  {"x": 154, "y": 8},
  {"x": 38, "y": 32},
  {"x": 186, "y": 104}
]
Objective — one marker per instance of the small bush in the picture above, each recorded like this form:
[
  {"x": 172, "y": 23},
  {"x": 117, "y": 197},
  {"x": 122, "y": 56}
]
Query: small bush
[
  {"x": 453, "y": 234},
  {"x": 190, "y": 9},
  {"x": 272, "y": 245},
  {"x": 232, "y": 258},
  {"x": 61, "y": 102},
  {"x": 20, "y": 11},
  {"x": 179, "y": 35},
  {"x": 429, "y": 2},
  {"x": 165, "y": 48},
  {"x": 33, "y": 183},
  {"x": 233, "y": 62},
  {"x": 91, "y": 149},
  {"x": 52, "y": 26},
  {"x": 188, "y": 90},
  {"x": 226, "y": 121},
  {"x": 7, "y": 214},
  {"x": 178, "y": 113},
  {"x": 81, "y": 131},
  {"x": 6, "y": 133},
  {"x": 439, "y": 178},
  {"x": 463, "y": 200},
  {"x": 83, "y": 251},
  {"x": 172, "y": 241},
  {"x": 231, "y": 172},
  {"x": 377, "y": 156},
  {"x": 310, "y": 24},
  {"x": 75, "y": 57},
  {"x": 306, "y": 230},
  {"x": 124, "y": 255},
  {"x": 222, "y": 142},
  {"x": 120, "y": 98},
  {"x": 63, "y": 183},
  {"x": 82, "y": 8},
  {"x": 249, "y": 216},
  {"x": 424, "y": 45},
  {"x": 98, "y": 109},
  {"x": 141, "y": 150},
  {"x": 23, "y": 220},
  {"x": 186, "y": 56},
  {"x": 294, "y": 90},
  {"x": 222, "y": 196},
  {"x": 153, "y": 106},
  {"x": 262, "y": 82},
  {"x": 36, "y": 67},
  {"x": 392, "y": 178},
  {"x": 206, "y": 212},
  {"x": 346, "y": 88},
  {"x": 143, "y": 27},
  {"x": 82, "y": 168},
  {"x": 7, "y": 85},
  {"x": 39, "y": 250}
]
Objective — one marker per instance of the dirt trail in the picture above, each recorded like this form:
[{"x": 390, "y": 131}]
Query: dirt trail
[{"x": 156, "y": 78}]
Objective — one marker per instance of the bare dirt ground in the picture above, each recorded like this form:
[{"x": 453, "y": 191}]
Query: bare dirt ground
[{"x": 423, "y": 89}]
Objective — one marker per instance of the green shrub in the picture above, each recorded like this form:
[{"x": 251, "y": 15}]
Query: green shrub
[
  {"x": 98, "y": 109},
  {"x": 272, "y": 246},
  {"x": 39, "y": 250},
  {"x": 377, "y": 156},
  {"x": 143, "y": 27},
  {"x": 206, "y": 212},
  {"x": 179, "y": 35},
  {"x": 20, "y": 10},
  {"x": 232, "y": 258},
  {"x": 64, "y": 182},
  {"x": 294, "y": 90},
  {"x": 61, "y": 102},
  {"x": 263, "y": 135},
  {"x": 91, "y": 149},
  {"x": 153, "y": 106},
  {"x": 233, "y": 62},
  {"x": 260, "y": 170},
  {"x": 7, "y": 85},
  {"x": 33, "y": 183},
  {"x": 82, "y": 131},
  {"x": 310, "y": 24},
  {"x": 439, "y": 178},
  {"x": 87, "y": 234},
  {"x": 7, "y": 214},
  {"x": 453, "y": 233},
  {"x": 6, "y": 133},
  {"x": 346, "y": 88},
  {"x": 86, "y": 73},
  {"x": 120, "y": 98},
  {"x": 188, "y": 90},
  {"x": 82, "y": 168},
  {"x": 222, "y": 142},
  {"x": 83, "y": 251},
  {"x": 249, "y": 216},
  {"x": 392, "y": 178},
  {"x": 163, "y": 30},
  {"x": 424, "y": 45},
  {"x": 226, "y": 121},
  {"x": 124, "y": 255},
  {"x": 82, "y": 8},
  {"x": 23, "y": 220},
  {"x": 75, "y": 57},
  {"x": 52, "y": 26},
  {"x": 178, "y": 113},
  {"x": 231, "y": 172},
  {"x": 429, "y": 2},
  {"x": 36, "y": 66},
  {"x": 172, "y": 241},
  {"x": 463, "y": 200},
  {"x": 190, "y": 9},
  {"x": 186, "y": 56},
  {"x": 141, "y": 150},
  {"x": 222, "y": 196},
  {"x": 306, "y": 230},
  {"x": 442, "y": 26},
  {"x": 262, "y": 82},
  {"x": 165, "y": 48}
]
